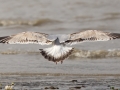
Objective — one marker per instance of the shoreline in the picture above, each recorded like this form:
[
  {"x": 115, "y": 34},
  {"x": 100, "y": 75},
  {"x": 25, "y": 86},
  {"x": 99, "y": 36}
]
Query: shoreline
[{"x": 55, "y": 74}]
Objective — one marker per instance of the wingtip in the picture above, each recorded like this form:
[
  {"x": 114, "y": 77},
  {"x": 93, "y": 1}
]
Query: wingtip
[
  {"x": 115, "y": 35},
  {"x": 4, "y": 39}
]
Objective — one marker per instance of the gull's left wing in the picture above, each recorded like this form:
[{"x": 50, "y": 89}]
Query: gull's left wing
[{"x": 91, "y": 35}]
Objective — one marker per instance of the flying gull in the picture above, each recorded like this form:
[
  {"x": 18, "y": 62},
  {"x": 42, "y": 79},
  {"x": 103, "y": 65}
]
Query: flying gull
[{"x": 58, "y": 51}]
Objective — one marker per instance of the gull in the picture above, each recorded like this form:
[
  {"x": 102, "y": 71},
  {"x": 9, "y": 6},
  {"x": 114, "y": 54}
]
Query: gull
[{"x": 59, "y": 49}]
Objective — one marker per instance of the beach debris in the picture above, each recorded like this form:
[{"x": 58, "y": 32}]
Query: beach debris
[
  {"x": 10, "y": 87},
  {"x": 51, "y": 87},
  {"x": 74, "y": 81},
  {"x": 0, "y": 86},
  {"x": 113, "y": 88},
  {"x": 74, "y": 88}
]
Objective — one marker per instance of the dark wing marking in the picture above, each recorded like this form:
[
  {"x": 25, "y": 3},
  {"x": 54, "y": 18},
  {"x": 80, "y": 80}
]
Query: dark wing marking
[
  {"x": 91, "y": 35},
  {"x": 26, "y": 38}
]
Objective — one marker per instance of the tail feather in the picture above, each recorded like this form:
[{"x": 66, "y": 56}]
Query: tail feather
[{"x": 56, "y": 53}]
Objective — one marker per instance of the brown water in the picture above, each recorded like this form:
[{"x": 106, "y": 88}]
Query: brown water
[{"x": 98, "y": 60}]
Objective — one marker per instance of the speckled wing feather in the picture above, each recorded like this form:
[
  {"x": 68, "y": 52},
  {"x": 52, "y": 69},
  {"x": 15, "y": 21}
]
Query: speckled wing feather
[
  {"x": 26, "y": 38},
  {"x": 91, "y": 35}
]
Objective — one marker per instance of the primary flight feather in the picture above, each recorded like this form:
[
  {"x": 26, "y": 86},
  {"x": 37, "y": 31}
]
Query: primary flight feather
[{"x": 59, "y": 51}]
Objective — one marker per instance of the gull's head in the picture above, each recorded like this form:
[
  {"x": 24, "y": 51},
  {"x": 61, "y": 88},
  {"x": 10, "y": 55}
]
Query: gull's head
[{"x": 56, "y": 41}]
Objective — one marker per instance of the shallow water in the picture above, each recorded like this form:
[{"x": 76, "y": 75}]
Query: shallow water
[{"x": 60, "y": 16}]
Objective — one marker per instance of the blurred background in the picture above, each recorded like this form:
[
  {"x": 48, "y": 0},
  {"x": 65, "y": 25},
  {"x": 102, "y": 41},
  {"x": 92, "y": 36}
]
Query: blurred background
[{"x": 60, "y": 16}]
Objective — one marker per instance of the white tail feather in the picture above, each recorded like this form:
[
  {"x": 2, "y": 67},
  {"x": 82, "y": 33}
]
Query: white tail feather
[{"x": 56, "y": 53}]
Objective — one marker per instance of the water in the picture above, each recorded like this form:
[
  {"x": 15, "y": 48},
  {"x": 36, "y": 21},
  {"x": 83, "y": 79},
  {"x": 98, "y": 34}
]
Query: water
[{"x": 60, "y": 16}]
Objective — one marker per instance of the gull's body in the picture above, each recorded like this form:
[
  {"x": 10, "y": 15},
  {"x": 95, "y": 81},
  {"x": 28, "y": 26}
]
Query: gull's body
[{"x": 59, "y": 51}]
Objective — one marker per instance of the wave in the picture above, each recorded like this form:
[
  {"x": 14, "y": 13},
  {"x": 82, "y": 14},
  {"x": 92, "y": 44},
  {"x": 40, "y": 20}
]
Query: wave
[
  {"x": 36, "y": 22},
  {"x": 95, "y": 53},
  {"x": 76, "y": 54}
]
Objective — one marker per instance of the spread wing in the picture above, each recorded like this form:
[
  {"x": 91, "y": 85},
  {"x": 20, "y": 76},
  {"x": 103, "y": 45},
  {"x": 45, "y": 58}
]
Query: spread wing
[
  {"x": 91, "y": 35},
  {"x": 27, "y": 38}
]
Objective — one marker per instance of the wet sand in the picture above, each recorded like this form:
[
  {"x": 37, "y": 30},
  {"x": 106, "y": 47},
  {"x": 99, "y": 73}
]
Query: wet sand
[{"x": 61, "y": 82}]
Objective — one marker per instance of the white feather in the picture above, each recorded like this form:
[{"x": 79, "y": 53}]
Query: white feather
[{"x": 57, "y": 51}]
